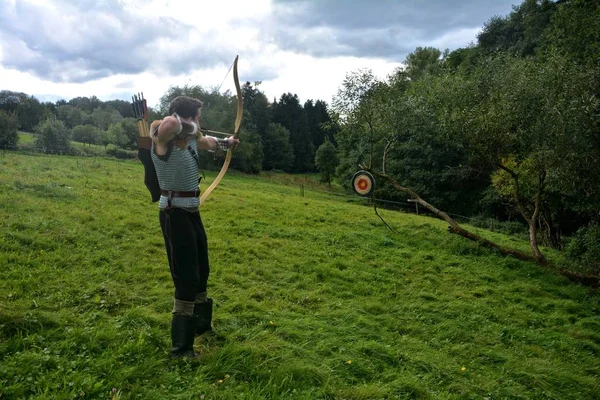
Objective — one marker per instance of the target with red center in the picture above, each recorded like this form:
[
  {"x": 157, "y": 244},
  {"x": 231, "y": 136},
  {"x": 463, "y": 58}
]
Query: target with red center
[{"x": 363, "y": 183}]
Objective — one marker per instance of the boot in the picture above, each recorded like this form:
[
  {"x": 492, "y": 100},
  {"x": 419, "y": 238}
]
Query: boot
[
  {"x": 203, "y": 314},
  {"x": 182, "y": 336}
]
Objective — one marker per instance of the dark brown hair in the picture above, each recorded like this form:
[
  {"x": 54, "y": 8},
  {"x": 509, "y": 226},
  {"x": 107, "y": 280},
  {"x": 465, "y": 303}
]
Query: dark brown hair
[{"x": 185, "y": 107}]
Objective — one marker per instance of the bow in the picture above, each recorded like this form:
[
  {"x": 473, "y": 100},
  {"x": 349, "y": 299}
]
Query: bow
[{"x": 236, "y": 131}]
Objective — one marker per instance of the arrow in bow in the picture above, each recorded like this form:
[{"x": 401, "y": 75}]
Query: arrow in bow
[{"x": 236, "y": 131}]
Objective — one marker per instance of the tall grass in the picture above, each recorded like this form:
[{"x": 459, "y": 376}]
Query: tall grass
[{"x": 315, "y": 298}]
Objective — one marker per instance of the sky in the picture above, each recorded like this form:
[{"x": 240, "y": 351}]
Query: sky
[{"x": 55, "y": 49}]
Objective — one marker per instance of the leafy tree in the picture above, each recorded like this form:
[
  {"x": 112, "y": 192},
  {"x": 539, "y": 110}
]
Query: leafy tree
[
  {"x": 86, "y": 104},
  {"x": 29, "y": 113},
  {"x": 521, "y": 33},
  {"x": 107, "y": 137},
  {"x": 575, "y": 31},
  {"x": 248, "y": 156},
  {"x": 318, "y": 120},
  {"x": 131, "y": 132},
  {"x": 277, "y": 149},
  {"x": 27, "y": 109},
  {"x": 117, "y": 133},
  {"x": 537, "y": 123},
  {"x": 326, "y": 160},
  {"x": 462, "y": 60},
  {"x": 256, "y": 107},
  {"x": 362, "y": 138},
  {"x": 9, "y": 135},
  {"x": 102, "y": 118},
  {"x": 123, "y": 107},
  {"x": 86, "y": 134},
  {"x": 289, "y": 113},
  {"x": 53, "y": 135},
  {"x": 424, "y": 60},
  {"x": 9, "y": 101},
  {"x": 72, "y": 116},
  {"x": 356, "y": 111}
]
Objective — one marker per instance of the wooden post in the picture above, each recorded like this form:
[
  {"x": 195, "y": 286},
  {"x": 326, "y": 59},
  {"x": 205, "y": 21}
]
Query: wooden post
[
  {"x": 492, "y": 224},
  {"x": 416, "y": 205}
]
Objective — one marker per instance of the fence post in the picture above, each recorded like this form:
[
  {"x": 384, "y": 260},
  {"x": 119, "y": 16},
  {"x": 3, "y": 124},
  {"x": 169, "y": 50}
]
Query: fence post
[{"x": 416, "y": 205}]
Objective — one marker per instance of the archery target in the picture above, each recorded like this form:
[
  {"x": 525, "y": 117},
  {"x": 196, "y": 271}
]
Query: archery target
[{"x": 363, "y": 183}]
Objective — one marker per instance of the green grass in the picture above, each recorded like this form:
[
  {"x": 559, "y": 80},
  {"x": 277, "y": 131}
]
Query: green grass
[
  {"x": 316, "y": 299},
  {"x": 26, "y": 139},
  {"x": 27, "y": 142}
]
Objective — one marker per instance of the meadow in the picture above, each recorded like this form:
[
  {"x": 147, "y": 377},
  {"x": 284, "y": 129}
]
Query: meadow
[{"x": 314, "y": 297}]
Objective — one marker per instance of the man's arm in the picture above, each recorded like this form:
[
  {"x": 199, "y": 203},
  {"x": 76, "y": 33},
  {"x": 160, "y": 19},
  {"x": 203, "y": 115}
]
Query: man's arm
[{"x": 212, "y": 143}]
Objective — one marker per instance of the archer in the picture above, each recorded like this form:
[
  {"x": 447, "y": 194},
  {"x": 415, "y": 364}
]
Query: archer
[{"x": 175, "y": 142}]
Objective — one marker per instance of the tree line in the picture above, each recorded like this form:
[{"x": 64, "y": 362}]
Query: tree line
[{"x": 280, "y": 135}]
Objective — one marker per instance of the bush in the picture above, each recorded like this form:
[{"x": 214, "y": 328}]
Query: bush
[
  {"x": 121, "y": 154},
  {"x": 53, "y": 136},
  {"x": 8, "y": 130},
  {"x": 584, "y": 248}
]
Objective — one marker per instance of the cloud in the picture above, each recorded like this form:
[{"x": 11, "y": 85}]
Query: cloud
[
  {"x": 69, "y": 48},
  {"x": 387, "y": 29},
  {"x": 75, "y": 42}
]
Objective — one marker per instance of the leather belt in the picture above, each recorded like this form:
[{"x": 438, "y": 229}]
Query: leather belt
[{"x": 176, "y": 193}]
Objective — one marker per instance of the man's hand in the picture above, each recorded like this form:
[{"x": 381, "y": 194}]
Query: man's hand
[{"x": 233, "y": 142}]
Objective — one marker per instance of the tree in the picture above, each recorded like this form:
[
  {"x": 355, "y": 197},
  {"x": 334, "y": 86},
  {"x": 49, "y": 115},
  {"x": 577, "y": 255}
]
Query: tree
[
  {"x": 102, "y": 118},
  {"x": 72, "y": 116},
  {"x": 131, "y": 132},
  {"x": 27, "y": 109},
  {"x": 326, "y": 160},
  {"x": 289, "y": 113},
  {"x": 424, "y": 60},
  {"x": 9, "y": 135},
  {"x": 106, "y": 138},
  {"x": 277, "y": 149},
  {"x": 575, "y": 31},
  {"x": 256, "y": 108},
  {"x": 116, "y": 132},
  {"x": 365, "y": 136},
  {"x": 86, "y": 104},
  {"x": 53, "y": 135},
  {"x": 86, "y": 134},
  {"x": 318, "y": 119},
  {"x": 248, "y": 156},
  {"x": 537, "y": 122},
  {"x": 123, "y": 107},
  {"x": 522, "y": 33}
]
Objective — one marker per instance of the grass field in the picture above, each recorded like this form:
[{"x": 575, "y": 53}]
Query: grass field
[{"x": 315, "y": 298}]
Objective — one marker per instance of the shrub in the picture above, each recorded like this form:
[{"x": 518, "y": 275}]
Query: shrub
[
  {"x": 584, "y": 248},
  {"x": 8, "y": 130},
  {"x": 121, "y": 154}
]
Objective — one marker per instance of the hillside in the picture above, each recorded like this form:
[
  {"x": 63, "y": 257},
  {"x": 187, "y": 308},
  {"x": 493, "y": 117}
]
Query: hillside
[{"x": 316, "y": 299}]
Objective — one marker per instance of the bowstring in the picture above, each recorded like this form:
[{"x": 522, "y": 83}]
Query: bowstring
[{"x": 226, "y": 75}]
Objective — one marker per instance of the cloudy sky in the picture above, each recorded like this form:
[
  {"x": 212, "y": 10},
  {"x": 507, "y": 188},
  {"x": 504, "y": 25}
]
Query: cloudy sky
[{"x": 113, "y": 48}]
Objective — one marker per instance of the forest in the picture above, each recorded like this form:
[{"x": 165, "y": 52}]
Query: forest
[{"x": 505, "y": 128}]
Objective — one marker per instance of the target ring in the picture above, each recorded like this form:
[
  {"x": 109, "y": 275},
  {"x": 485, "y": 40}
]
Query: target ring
[{"x": 363, "y": 183}]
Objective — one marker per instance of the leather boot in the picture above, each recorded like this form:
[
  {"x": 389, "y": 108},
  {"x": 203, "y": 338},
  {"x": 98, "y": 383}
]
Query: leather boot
[
  {"x": 182, "y": 336},
  {"x": 203, "y": 314}
]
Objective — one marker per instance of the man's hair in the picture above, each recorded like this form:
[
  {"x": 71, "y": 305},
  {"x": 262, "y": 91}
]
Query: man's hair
[{"x": 184, "y": 106}]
